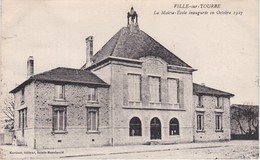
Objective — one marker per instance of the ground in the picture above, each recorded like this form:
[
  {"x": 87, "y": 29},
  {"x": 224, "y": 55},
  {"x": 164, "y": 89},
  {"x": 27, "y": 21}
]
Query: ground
[{"x": 214, "y": 150}]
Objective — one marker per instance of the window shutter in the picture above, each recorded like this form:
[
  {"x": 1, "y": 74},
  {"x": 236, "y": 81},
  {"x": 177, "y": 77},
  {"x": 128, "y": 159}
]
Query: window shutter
[
  {"x": 88, "y": 121},
  {"x": 61, "y": 113},
  {"x": 55, "y": 125},
  {"x": 164, "y": 91},
  {"x": 145, "y": 90},
  {"x": 181, "y": 94}
]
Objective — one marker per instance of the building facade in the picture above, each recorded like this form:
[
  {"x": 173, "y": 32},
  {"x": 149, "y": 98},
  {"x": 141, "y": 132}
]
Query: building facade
[{"x": 132, "y": 91}]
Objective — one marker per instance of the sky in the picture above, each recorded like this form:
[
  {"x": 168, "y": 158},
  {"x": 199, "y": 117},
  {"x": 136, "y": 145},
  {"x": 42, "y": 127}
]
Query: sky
[{"x": 223, "y": 48}]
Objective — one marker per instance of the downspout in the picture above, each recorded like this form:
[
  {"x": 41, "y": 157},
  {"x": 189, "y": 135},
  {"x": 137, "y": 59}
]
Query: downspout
[
  {"x": 112, "y": 106},
  {"x": 34, "y": 122},
  {"x": 193, "y": 111}
]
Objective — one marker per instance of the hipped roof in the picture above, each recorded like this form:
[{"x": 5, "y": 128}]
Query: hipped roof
[
  {"x": 204, "y": 90},
  {"x": 134, "y": 45},
  {"x": 65, "y": 75}
]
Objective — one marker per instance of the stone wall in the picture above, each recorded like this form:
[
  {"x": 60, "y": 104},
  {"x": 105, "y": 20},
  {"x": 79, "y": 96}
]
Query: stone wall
[
  {"x": 209, "y": 110},
  {"x": 145, "y": 112},
  {"x": 76, "y": 101},
  {"x": 29, "y": 104}
]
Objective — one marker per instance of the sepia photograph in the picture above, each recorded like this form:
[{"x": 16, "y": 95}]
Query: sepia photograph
[{"x": 173, "y": 79}]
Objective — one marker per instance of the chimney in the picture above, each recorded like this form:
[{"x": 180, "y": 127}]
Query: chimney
[
  {"x": 89, "y": 50},
  {"x": 30, "y": 67}
]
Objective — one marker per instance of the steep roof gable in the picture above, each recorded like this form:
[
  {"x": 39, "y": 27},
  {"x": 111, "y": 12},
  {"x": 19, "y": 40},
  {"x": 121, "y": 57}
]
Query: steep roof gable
[{"x": 134, "y": 45}]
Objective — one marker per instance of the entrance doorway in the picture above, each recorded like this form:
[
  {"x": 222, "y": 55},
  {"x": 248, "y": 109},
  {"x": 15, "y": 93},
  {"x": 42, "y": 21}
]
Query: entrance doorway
[{"x": 155, "y": 128}]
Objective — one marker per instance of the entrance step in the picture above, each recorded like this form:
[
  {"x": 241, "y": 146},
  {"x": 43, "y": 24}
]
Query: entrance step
[{"x": 155, "y": 142}]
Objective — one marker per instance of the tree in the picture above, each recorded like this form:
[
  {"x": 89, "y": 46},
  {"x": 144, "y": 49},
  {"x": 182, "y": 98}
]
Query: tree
[
  {"x": 8, "y": 110},
  {"x": 247, "y": 118}
]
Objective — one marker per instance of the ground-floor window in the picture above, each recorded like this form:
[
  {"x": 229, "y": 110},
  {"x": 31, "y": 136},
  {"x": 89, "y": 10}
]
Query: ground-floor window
[
  {"x": 92, "y": 119},
  {"x": 218, "y": 121},
  {"x": 22, "y": 118},
  {"x": 200, "y": 121},
  {"x": 59, "y": 118},
  {"x": 174, "y": 126},
  {"x": 135, "y": 127}
]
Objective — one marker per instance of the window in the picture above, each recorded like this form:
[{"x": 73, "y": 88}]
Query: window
[
  {"x": 92, "y": 94},
  {"x": 174, "y": 126},
  {"x": 135, "y": 128},
  {"x": 218, "y": 122},
  {"x": 22, "y": 118},
  {"x": 200, "y": 101},
  {"x": 59, "y": 92},
  {"x": 22, "y": 96},
  {"x": 92, "y": 119},
  {"x": 134, "y": 87},
  {"x": 200, "y": 121},
  {"x": 59, "y": 118},
  {"x": 155, "y": 89},
  {"x": 220, "y": 102},
  {"x": 173, "y": 87}
]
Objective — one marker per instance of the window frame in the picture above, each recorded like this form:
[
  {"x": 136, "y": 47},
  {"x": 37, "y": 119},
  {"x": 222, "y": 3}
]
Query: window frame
[
  {"x": 200, "y": 101},
  {"x": 177, "y": 91},
  {"x": 150, "y": 77},
  {"x": 57, "y": 92},
  {"x": 22, "y": 117},
  {"x": 135, "y": 127},
  {"x": 219, "y": 122},
  {"x": 201, "y": 115},
  {"x": 220, "y": 103},
  {"x": 91, "y": 110},
  {"x": 64, "y": 122},
  {"x": 22, "y": 96},
  {"x": 173, "y": 125},
  {"x": 91, "y": 95},
  {"x": 131, "y": 99}
]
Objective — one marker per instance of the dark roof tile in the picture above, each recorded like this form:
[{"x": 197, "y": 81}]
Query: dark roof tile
[
  {"x": 203, "y": 90},
  {"x": 134, "y": 45},
  {"x": 66, "y": 75}
]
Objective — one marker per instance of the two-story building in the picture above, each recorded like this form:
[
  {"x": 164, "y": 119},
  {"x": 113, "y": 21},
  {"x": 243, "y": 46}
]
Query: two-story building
[{"x": 132, "y": 91}]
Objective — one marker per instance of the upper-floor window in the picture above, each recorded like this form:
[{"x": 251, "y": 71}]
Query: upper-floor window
[
  {"x": 173, "y": 87},
  {"x": 92, "y": 94},
  {"x": 22, "y": 96},
  {"x": 200, "y": 101},
  {"x": 92, "y": 119},
  {"x": 59, "y": 92},
  {"x": 59, "y": 118},
  {"x": 155, "y": 89},
  {"x": 134, "y": 87},
  {"x": 220, "y": 102}
]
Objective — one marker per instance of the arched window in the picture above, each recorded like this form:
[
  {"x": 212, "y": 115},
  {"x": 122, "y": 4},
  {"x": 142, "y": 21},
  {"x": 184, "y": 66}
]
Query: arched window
[
  {"x": 174, "y": 127},
  {"x": 135, "y": 127}
]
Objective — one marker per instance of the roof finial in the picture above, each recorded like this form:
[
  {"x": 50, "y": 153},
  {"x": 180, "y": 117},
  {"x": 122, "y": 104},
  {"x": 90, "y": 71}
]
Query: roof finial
[{"x": 133, "y": 15}]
